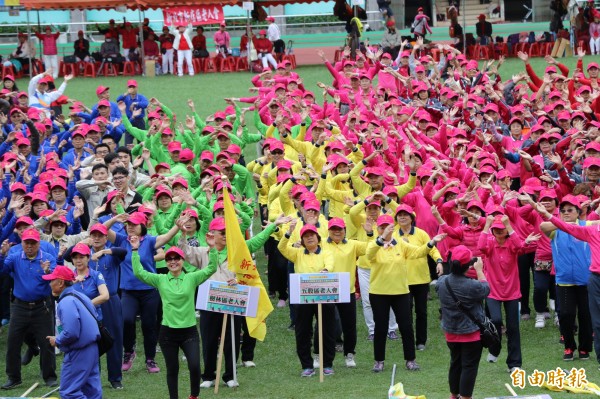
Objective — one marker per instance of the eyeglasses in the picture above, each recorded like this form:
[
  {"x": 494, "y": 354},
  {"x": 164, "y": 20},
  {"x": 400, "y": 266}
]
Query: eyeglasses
[
  {"x": 277, "y": 152},
  {"x": 119, "y": 177},
  {"x": 570, "y": 210},
  {"x": 172, "y": 259}
]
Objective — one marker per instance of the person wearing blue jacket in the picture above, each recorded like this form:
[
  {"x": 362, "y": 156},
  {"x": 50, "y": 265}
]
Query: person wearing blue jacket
[
  {"x": 77, "y": 338},
  {"x": 572, "y": 259},
  {"x": 134, "y": 101}
]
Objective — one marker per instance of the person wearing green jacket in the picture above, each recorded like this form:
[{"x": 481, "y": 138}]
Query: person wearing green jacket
[{"x": 178, "y": 327}]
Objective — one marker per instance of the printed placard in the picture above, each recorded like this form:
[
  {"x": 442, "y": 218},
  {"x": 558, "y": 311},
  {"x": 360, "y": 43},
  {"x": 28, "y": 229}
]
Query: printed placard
[
  {"x": 314, "y": 288},
  {"x": 195, "y": 15},
  {"x": 220, "y": 297},
  {"x": 248, "y": 5}
]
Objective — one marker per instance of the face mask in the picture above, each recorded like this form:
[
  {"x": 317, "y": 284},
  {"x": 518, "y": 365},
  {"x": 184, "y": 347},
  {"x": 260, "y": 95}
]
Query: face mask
[{"x": 108, "y": 40}]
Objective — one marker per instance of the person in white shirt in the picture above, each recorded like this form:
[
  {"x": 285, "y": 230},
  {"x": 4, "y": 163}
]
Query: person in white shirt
[
  {"x": 39, "y": 97},
  {"x": 183, "y": 45},
  {"x": 274, "y": 35}
]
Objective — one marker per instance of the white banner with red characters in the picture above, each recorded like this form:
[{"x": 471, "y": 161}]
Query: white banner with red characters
[{"x": 196, "y": 15}]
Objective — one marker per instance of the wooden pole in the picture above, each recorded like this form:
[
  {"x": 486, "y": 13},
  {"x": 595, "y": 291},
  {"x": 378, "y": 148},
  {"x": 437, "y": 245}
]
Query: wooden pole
[
  {"x": 233, "y": 354},
  {"x": 320, "y": 323},
  {"x": 220, "y": 353},
  {"x": 512, "y": 391},
  {"x": 31, "y": 388}
]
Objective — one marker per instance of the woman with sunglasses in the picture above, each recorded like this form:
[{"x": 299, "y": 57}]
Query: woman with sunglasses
[{"x": 178, "y": 329}]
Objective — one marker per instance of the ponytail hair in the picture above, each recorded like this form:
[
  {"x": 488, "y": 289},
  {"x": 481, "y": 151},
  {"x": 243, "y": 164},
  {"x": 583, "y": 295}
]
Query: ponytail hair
[{"x": 458, "y": 268}]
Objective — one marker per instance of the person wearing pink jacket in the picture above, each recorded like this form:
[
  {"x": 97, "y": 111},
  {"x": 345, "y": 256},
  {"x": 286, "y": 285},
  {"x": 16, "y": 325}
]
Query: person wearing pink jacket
[
  {"x": 500, "y": 250},
  {"x": 50, "y": 52}
]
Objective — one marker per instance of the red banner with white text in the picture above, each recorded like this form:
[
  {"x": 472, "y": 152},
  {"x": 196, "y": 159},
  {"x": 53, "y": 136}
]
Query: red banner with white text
[{"x": 196, "y": 15}]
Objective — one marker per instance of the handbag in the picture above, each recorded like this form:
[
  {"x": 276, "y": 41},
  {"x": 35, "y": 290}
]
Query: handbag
[
  {"x": 487, "y": 329},
  {"x": 106, "y": 340}
]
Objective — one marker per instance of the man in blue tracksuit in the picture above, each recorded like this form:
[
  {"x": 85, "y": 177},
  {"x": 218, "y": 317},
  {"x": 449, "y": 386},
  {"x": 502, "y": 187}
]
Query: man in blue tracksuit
[{"x": 78, "y": 336}]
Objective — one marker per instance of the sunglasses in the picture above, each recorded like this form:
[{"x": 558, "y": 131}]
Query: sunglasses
[
  {"x": 277, "y": 152},
  {"x": 570, "y": 210},
  {"x": 172, "y": 259}
]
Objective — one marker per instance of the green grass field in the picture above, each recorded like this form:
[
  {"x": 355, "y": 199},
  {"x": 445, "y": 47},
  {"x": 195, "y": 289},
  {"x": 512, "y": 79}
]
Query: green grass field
[{"x": 278, "y": 370}]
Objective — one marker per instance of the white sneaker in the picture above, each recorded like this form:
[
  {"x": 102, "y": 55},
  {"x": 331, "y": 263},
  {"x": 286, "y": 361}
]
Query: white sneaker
[
  {"x": 552, "y": 305},
  {"x": 433, "y": 282},
  {"x": 491, "y": 358},
  {"x": 513, "y": 369},
  {"x": 540, "y": 321},
  {"x": 556, "y": 321},
  {"x": 249, "y": 363},
  {"x": 232, "y": 384},
  {"x": 183, "y": 358},
  {"x": 547, "y": 315},
  {"x": 315, "y": 361},
  {"x": 207, "y": 384},
  {"x": 350, "y": 360}
]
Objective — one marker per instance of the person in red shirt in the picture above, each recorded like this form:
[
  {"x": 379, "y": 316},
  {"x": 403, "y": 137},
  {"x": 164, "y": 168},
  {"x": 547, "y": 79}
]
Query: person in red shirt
[
  {"x": 183, "y": 45},
  {"x": 50, "y": 52},
  {"x": 151, "y": 51},
  {"x": 129, "y": 38},
  {"x": 166, "y": 47},
  {"x": 264, "y": 48},
  {"x": 199, "y": 43}
]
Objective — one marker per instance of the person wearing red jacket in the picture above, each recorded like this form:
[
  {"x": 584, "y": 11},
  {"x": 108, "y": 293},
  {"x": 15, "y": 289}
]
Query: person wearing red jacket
[
  {"x": 129, "y": 38},
  {"x": 264, "y": 48},
  {"x": 50, "y": 52}
]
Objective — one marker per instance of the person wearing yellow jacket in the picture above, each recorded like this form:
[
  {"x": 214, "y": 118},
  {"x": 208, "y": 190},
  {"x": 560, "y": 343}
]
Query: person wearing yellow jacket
[
  {"x": 345, "y": 252},
  {"x": 418, "y": 269},
  {"x": 389, "y": 288},
  {"x": 361, "y": 220},
  {"x": 311, "y": 258}
]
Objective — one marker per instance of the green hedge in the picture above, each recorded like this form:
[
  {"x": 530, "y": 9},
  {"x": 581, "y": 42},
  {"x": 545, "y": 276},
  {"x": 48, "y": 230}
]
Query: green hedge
[{"x": 23, "y": 29}]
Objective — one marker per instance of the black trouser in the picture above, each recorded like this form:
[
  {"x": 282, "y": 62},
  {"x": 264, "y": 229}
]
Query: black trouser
[
  {"x": 210, "y": 331},
  {"x": 347, "y": 319},
  {"x": 543, "y": 288},
  {"x": 37, "y": 319},
  {"x": 418, "y": 296},
  {"x": 170, "y": 340},
  {"x": 6, "y": 283},
  {"x": 248, "y": 343},
  {"x": 278, "y": 272},
  {"x": 525, "y": 262},
  {"x": 146, "y": 303},
  {"x": 304, "y": 329},
  {"x": 400, "y": 304},
  {"x": 464, "y": 363},
  {"x": 574, "y": 301}
]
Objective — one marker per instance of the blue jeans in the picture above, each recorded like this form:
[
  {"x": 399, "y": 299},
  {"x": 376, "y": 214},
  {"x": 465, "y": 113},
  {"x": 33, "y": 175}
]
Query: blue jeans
[
  {"x": 594, "y": 301},
  {"x": 513, "y": 335},
  {"x": 543, "y": 287},
  {"x": 113, "y": 321}
]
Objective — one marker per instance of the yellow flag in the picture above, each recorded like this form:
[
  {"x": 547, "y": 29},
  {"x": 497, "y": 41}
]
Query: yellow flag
[{"x": 239, "y": 261}]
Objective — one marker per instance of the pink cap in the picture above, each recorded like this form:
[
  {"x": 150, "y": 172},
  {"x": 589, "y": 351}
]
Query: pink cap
[
  {"x": 181, "y": 181},
  {"x": 284, "y": 164},
  {"x": 336, "y": 222},
  {"x": 25, "y": 220},
  {"x": 591, "y": 161},
  {"x": 461, "y": 254},
  {"x": 137, "y": 218},
  {"x": 384, "y": 220},
  {"x": 476, "y": 204},
  {"x": 375, "y": 171},
  {"x": 162, "y": 191},
  {"x": 81, "y": 249},
  {"x": 548, "y": 194},
  {"x": 174, "y": 251},
  {"x": 31, "y": 234},
  {"x": 100, "y": 228},
  {"x": 405, "y": 208},
  {"x": 162, "y": 165},
  {"x": 18, "y": 186},
  {"x": 496, "y": 209},
  {"x": 234, "y": 149},
  {"x": 58, "y": 183},
  {"x": 312, "y": 206},
  {"x": 592, "y": 65},
  {"x": 132, "y": 82},
  {"x": 593, "y": 146},
  {"x": 103, "y": 103},
  {"x": 207, "y": 156},
  {"x": 191, "y": 213},
  {"x": 217, "y": 224},
  {"x": 308, "y": 228},
  {"x": 571, "y": 199},
  {"x": 503, "y": 174},
  {"x": 174, "y": 146},
  {"x": 60, "y": 273},
  {"x": 186, "y": 155},
  {"x": 101, "y": 89},
  {"x": 298, "y": 189},
  {"x": 497, "y": 223}
]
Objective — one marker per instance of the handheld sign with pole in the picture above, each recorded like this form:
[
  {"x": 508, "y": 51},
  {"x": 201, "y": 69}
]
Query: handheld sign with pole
[
  {"x": 318, "y": 289},
  {"x": 235, "y": 300}
]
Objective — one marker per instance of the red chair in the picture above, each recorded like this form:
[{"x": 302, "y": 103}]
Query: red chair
[
  {"x": 197, "y": 64},
  {"x": 585, "y": 45},
  {"x": 241, "y": 64},
  {"x": 110, "y": 69},
  {"x": 546, "y": 48},
  {"x": 68, "y": 69},
  {"x": 337, "y": 56},
  {"x": 209, "y": 65},
  {"x": 228, "y": 65},
  {"x": 129, "y": 68},
  {"x": 8, "y": 70},
  {"x": 521, "y": 47},
  {"x": 89, "y": 70},
  {"x": 292, "y": 58},
  {"x": 500, "y": 49},
  {"x": 481, "y": 53},
  {"x": 534, "y": 50}
]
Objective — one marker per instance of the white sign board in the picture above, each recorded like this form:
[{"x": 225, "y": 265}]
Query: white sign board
[
  {"x": 220, "y": 297},
  {"x": 359, "y": 3},
  {"x": 314, "y": 288},
  {"x": 248, "y": 5}
]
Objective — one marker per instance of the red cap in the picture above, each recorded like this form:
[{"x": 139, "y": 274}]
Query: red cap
[
  {"x": 58, "y": 183},
  {"x": 31, "y": 234},
  {"x": 163, "y": 191},
  {"x": 548, "y": 194},
  {"x": 593, "y": 145},
  {"x": 270, "y": 18},
  {"x": 503, "y": 174},
  {"x": 18, "y": 186},
  {"x": 100, "y": 228},
  {"x": 101, "y": 89},
  {"x": 162, "y": 165},
  {"x": 476, "y": 204},
  {"x": 61, "y": 219},
  {"x": 137, "y": 218},
  {"x": 174, "y": 146},
  {"x": 218, "y": 205},
  {"x": 592, "y": 65},
  {"x": 591, "y": 161},
  {"x": 497, "y": 223},
  {"x": 37, "y": 196},
  {"x": 385, "y": 219},
  {"x": 462, "y": 254},
  {"x": 312, "y": 206},
  {"x": 217, "y": 224},
  {"x": 571, "y": 199},
  {"x": 191, "y": 213},
  {"x": 132, "y": 82},
  {"x": 24, "y": 219},
  {"x": 103, "y": 103},
  {"x": 60, "y": 273},
  {"x": 375, "y": 171},
  {"x": 282, "y": 177},
  {"x": 284, "y": 164},
  {"x": 336, "y": 222},
  {"x": 181, "y": 181},
  {"x": 405, "y": 208},
  {"x": 307, "y": 228},
  {"x": 207, "y": 156},
  {"x": 81, "y": 249},
  {"x": 298, "y": 189},
  {"x": 496, "y": 209},
  {"x": 186, "y": 155},
  {"x": 175, "y": 251}
]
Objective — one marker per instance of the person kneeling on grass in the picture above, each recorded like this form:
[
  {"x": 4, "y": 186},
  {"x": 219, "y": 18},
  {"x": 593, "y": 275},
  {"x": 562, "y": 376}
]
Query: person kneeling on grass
[{"x": 178, "y": 329}]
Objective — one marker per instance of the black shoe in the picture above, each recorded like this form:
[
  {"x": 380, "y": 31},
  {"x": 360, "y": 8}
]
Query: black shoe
[
  {"x": 10, "y": 384},
  {"x": 116, "y": 385},
  {"x": 29, "y": 354},
  {"x": 51, "y": 383}
]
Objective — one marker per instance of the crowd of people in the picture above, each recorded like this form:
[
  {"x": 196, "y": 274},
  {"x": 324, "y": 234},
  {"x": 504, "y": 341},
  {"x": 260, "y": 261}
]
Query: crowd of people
[
  {"x": 408, "y": 170},
  {"x": 123, "y": 43}
]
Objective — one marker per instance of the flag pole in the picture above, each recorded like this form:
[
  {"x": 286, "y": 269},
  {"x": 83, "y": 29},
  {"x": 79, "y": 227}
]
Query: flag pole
[
  {"x": 320, "y": 323},
  {"x": 220, "y": 353},
  {"x": 233, "y": 354}
]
